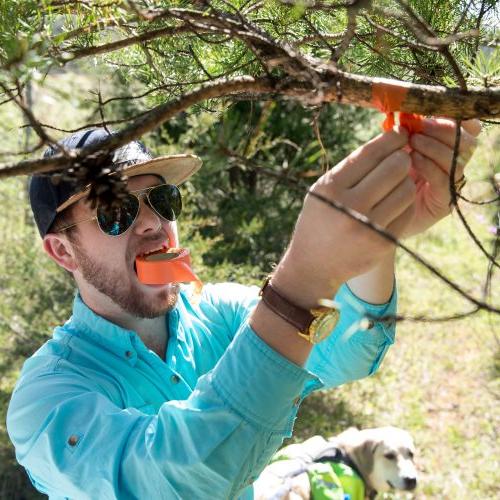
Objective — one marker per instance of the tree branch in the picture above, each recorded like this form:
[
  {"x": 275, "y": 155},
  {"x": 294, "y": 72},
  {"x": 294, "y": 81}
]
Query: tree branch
[
  {"x": 335, "y": 86},
  {"x": 126, "y": 42}
]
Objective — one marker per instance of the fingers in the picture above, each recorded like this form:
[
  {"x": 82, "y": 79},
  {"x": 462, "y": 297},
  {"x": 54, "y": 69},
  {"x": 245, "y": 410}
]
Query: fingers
[
  {"x": 362, "y": 161},
  {"x": 444, "y": 130},
  {"x": 394, "y": 204},
  {"x": 431, "y": 172},
  {"x": 400, "y": 223},
  {"x": 383, "y": 179},
  {"x": 438, "y": 152},
  {"x": 437, "y": 143},
  {"x": 473, "y": 127}
]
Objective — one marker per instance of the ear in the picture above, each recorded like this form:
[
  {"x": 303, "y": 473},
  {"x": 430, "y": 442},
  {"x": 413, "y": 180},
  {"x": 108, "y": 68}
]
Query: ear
[
  {"x": 368, "y": 449},
  {"x": 59, "y": 249},
  {"x": 363, "y": 456}
]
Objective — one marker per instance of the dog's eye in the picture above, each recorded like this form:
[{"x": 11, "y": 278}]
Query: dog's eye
[
  {"x": 410, "y": 454},
  {"x": 390, "y": 456}
]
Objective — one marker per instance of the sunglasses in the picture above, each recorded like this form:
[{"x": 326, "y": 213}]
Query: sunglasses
[{"x": 165, "y": 200}]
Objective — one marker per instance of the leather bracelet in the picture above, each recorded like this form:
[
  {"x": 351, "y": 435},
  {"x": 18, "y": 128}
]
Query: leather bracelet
[{"x": 296, "y": 316}]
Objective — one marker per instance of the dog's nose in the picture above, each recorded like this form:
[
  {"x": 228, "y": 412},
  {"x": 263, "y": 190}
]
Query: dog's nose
[{"x": 410, "y": 483}]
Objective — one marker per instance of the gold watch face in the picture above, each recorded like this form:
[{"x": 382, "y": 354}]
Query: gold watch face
[{"x": 323, "y": 324}]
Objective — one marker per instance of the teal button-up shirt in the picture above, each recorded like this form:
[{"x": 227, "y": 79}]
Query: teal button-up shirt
[{"x": 96, "y": 414}]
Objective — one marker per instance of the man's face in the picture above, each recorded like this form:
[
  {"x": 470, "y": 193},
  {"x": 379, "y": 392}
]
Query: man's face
[{"x": 107, "y": 263}]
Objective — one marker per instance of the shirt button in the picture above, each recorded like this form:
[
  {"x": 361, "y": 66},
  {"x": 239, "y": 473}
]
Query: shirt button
[
  {"x": 128, "y": 354},
  {"x": 73, "y": 440},
  {"x": 175, "y": 379}
]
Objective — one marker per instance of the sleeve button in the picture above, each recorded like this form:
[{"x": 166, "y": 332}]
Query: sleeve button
[
  {"x": 73, "y": 440},
  {"x": 128, "y": 354},
  {"x": 367, "y": 324},
  {"x": 175, "y": 379}
]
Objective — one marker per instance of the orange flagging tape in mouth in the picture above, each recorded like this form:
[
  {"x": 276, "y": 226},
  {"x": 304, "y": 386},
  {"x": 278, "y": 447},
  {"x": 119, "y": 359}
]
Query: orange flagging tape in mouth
[
  {"x": 169, "y": 265},
  {"x": 388, "y": 99}
]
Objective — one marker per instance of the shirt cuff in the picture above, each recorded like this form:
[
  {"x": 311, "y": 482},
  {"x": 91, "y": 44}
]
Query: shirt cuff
[
  {"x": 369, "y": 313},
  {"x": 260, "y": 384}
]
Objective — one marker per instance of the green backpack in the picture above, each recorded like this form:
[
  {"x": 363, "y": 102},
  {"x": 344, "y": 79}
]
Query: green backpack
[
  {"x": 335, "y": 481},
  {"x": 331, "y": 480}
]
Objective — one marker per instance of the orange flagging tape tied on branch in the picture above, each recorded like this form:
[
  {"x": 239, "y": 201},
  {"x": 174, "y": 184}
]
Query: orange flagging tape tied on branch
[
  {"x": 388, "y": 99},
  {"x": 169, "y": 265}
]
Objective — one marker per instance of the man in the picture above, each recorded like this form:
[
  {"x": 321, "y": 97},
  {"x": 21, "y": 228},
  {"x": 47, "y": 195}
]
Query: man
[{"x": 147, "y": 393}]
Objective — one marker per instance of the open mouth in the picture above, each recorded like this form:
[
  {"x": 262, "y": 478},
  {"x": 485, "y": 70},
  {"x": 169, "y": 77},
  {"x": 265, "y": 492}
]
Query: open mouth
[{"x": 162, "y": 249}]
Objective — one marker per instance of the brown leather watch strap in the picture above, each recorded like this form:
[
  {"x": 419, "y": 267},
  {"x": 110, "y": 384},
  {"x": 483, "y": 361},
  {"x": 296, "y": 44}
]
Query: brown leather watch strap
[{"x": 296, "y": 316}]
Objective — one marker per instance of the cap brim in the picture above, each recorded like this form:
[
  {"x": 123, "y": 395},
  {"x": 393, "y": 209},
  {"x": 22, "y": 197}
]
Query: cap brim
[{"x": 174, "y": 169}]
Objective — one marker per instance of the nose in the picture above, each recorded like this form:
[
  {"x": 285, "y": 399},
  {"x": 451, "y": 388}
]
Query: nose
[
  {"x": 410, "y": 483},
  {"x": 147, "y": 219}
]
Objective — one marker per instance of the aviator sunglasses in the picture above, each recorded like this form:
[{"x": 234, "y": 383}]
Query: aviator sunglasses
[{"x": 165, "y": 200}]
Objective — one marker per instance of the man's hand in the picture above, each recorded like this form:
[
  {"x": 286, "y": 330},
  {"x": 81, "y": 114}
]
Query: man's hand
[
  {"x": 431, "y": 158},
  {"x": 329, "y": 247}
]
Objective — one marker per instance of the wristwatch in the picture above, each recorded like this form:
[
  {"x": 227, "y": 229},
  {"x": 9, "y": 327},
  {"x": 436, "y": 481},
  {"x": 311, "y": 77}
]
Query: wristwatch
[{"x": 314, "y": 325}]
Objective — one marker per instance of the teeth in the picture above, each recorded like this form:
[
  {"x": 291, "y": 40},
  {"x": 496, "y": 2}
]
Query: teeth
[{"x": 164, "y": 245}]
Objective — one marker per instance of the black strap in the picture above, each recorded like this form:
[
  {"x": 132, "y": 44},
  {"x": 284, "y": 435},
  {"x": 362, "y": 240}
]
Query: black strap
[
  {"x": 84, "y": 138},
  {"x": 337, "y": 455}
]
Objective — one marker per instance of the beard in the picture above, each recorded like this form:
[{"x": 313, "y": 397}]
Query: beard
[{"x": 127, "y": 295}]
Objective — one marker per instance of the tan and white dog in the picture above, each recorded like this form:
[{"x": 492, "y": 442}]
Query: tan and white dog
[{"x": 382, "y": 456}]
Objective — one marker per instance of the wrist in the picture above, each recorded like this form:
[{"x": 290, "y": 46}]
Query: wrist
[
  {"x": 303, "y": 287},
  {"x": 376, "y": 285},
  {"x": 279, "y": 334}
]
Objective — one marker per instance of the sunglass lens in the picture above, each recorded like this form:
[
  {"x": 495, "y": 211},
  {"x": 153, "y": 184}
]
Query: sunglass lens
[
  {"x": 117, "y": 220},
  {"x": 166, "y": 200}
]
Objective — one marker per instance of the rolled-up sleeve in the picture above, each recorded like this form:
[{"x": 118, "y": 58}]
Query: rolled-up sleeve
[
  {"x": 76, "y": 443},
  {"x": 358, "y": 343}
]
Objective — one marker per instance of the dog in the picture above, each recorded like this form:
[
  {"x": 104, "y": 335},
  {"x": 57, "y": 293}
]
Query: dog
[{"x": 382, "y": 458}]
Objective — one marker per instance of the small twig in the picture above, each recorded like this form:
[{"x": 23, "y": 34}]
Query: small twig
[
  {"x": 325, "y": 164},
  {"x": 407, "y": 42},
  {"x": 350, "y": 31},
  {"x": 453, "y": 194},
  {"x": 101, "y": 111},
  {"x": 444, "y": 49},
  {"x": 35, "y": 124},
  {"x": 31, "y": 150},
  {"x": 71, "y": 55},
  {"x": 317, "y": 35},
  {"x": 382, "y": 232},
  {"x": 491, "y": 269},
  {"x": 200, "y": 64}
]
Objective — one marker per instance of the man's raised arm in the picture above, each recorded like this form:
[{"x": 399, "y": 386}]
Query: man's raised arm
[{"x": 329, "y": 248}]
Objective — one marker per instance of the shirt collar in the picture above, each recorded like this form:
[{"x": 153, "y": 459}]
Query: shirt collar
[
  {"x": 99, "y": 329},
  {"x": 115, "y": 338}
]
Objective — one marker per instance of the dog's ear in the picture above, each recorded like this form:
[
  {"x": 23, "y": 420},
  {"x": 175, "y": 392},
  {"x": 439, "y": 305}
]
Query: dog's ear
[{"x": 363, "y": 457}]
